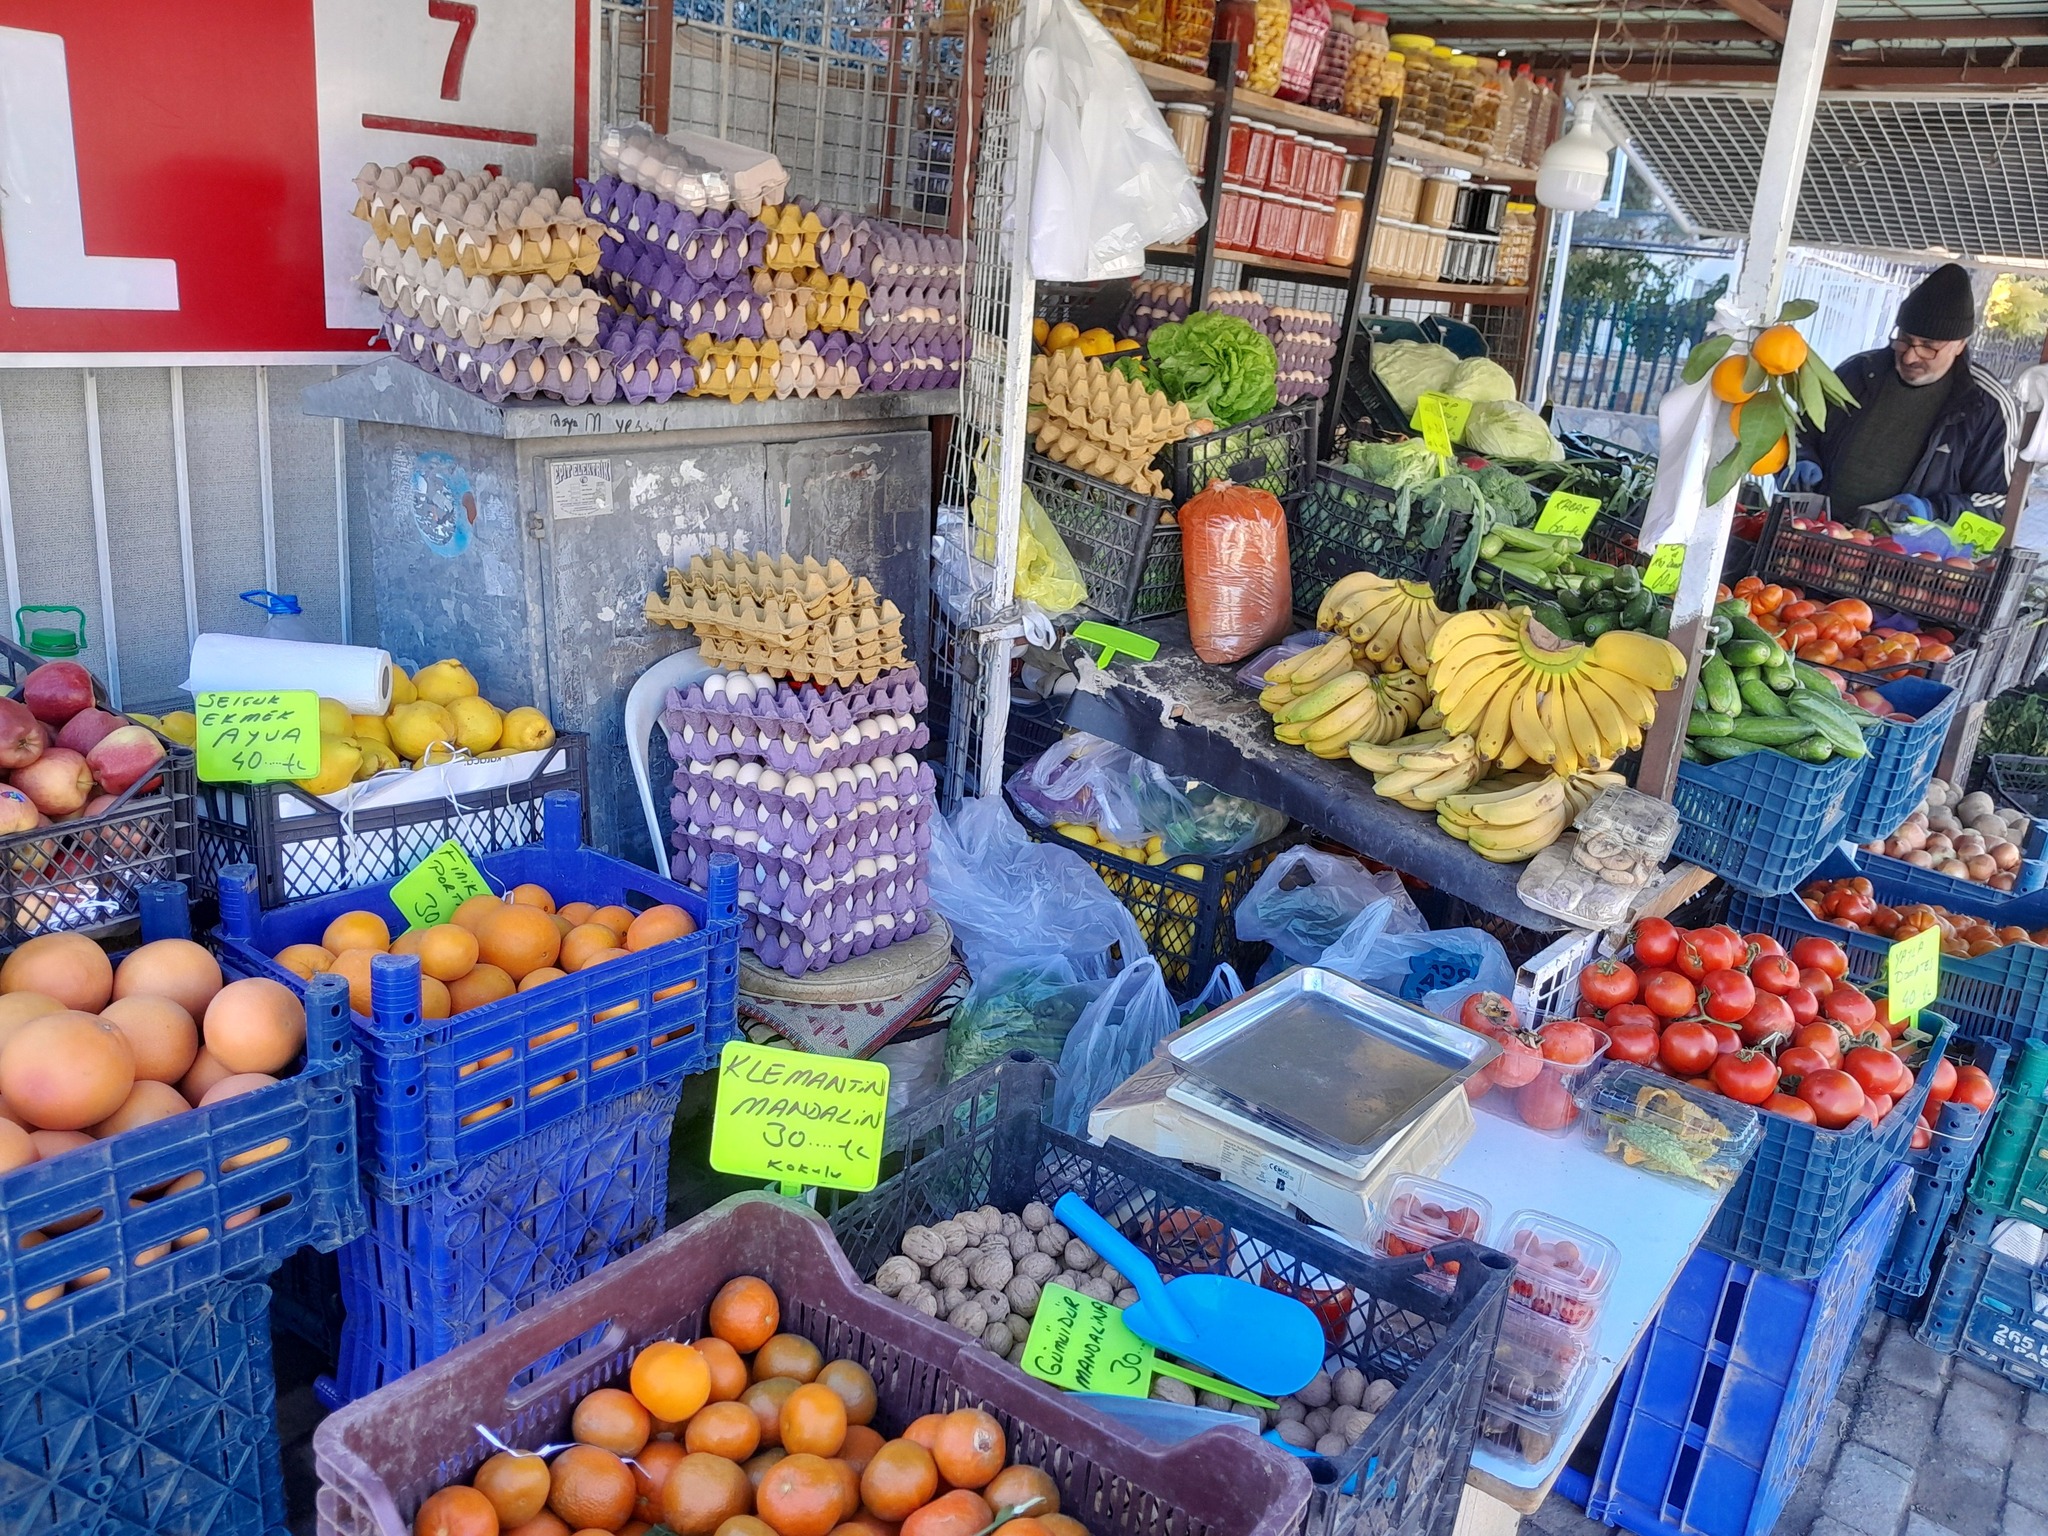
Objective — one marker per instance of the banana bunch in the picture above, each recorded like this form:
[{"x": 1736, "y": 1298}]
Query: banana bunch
[
  {"x": 1420, "y": 770},
  {"x": 1297, "y": 676},
  {"x": 1529, "y": 697},
  {"x": 1351, "y": 706},
  {"x": 1389, "y": 622},
  {"x": 1514, "y": 821}
]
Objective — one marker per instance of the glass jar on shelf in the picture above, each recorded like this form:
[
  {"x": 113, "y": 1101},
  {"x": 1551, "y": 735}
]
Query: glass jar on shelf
[
  {"x": 1269, "y": 45},
  {"x": 1486, "y": 105},
  {"x": 1190, "y": 124},
  {"x": 1146, "y": 20},
  {"x": 1401, "y": 193},
  {"x": 1366, "y": 65},
  {"x": 1236, "y": 21},
  {"x": 1347, "y": 219},
  {"x": 1439, "y": 203},
  {"x": 1461, "y": 100},
  {"x": 1190, "y": 27},
  {"x": 1517, "y": 244},
  {"x": 1486, "y": 259},
  {"x": 1436, "y": 245},
  {"x": 1394, "y": 77},
  {"x": 1327, "y": 91},
  {"x": 1418, "y": 52},
  {"x": 1439, "y": 93},
  {"x": 1301, "y": 55}
]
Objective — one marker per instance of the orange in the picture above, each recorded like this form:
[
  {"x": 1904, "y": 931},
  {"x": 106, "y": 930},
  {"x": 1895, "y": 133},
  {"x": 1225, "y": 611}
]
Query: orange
[
  {"x": 862, "y": 1523},
  {"x": 541, "y": 978},
  {"x": 971, "y": 1448},
  {"x": 849, "y": 1487},
  {"x": 813, "y": 1421},
  {"x": 545, "y": 1523},
  {"x": 900, "y": 1477},
  {"x": 590, "y": 1486},
  {"x": 1775, "y": 460},
  {"x": 1063, "y": 1525},
  {"x": 746, "y": 1525},
  {"x": 855, "y": 1388},
  {"x": 724, "y": 1429},
  {"x": 801, "y": 1496},
  {"x": 728, "y": 1370},
  {"x": 517, "y": 1486},
  {"x": 485, "y": 984},
  {"x": 672, "y": 1380},
  {"x": 651, "y": 1468},
  {"x": 576, "y": 912},
  {"x": 765, "y": 1399},
  {"x": 353, "y": 966},
  {"x": 472, "y": 910},
  {"x": 531, "y": 895},
  {"x": 756, "y": 1466},
  {"x": 582, "y": 943},
  {"x": 304, "y": 960},
  {"x": 517, "y": 939},
  {"x": 658, "y": 925},
  {"x": 785, "y": 1354},
  {"x": 435, "y": 1003},
  {"x": 859, "y": 1447},
  {"x": 1726, "y": 379},
  {"x": 1025, "y": 1489},
  {"x": 959, "y": 1513},
  {"x": 746, "y": 1314},
  {"x": 925, "y": 1430},
  {"x": 357, "y": 930},
  {"x": 614, "y": 1420},
  {"x": 616, "y": 918},
  {"x": 1779, "y": 350},
  {"x": 456, "y": 1511},
  {"x": 445, "y": 950},
  {"x": 1025, "y": 1525},
  {"x": 702, "y": 1493}
]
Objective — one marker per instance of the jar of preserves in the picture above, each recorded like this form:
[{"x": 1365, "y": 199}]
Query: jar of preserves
[
  {"x": 1347, "y": 219},
  {"x": 1460, "y": 100},
  {"x": 1312, "y": 239},
  {"x": 1435, "y": 249},
  {"x": 1277, "y": 222},
  {"x": 1485, "y": 258},
  {"x": 1146, "y": 20},
  {"x": 1269, "y": 45},
  {"x": 1394, "y": 76},
  {"x": 1517, "y": 244},
  {"x": 1339, "y": 48},
  {"x": 1258, "y": 165},
  {"x": 1401, "y": 194},
  {"x": 1237, "y": 21},
  {"x": 1368, "y": 63},
  {"x": 1439, "y": 203},
  {"x": 1489, "y": 202},
  {"x": 1439, "y": 92},
  {"x": 1491, "y": 75},
  {"x": 1420, "y": 72},
  {"x": 1301, "y": 56},
  {"x": 1190, "y": 26},
  {"x": 1280, "y": 169},
  {"x": 1237, "y": 150},
  {"x": 1237, "y": 217},
  {"x": 1190, "y": 125}
]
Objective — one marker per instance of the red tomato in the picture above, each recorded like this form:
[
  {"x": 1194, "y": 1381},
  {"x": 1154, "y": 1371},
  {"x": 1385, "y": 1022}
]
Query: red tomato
[
  {"x": 1630, "y": 1013},
  {"x": 1816, "y": 981},
  {"x": 1722, "y": 948},
  {"x": 1726, "y": 995},
  {"x": 1849, "y": 1008},
  {"x": 1688, "y": 1047},
  {"x": 1693, "y": 962},
  {"x": 1773, "y": 973},
  {"x": 1520, "y": 1060},
  {"x": 1607, "y": 984},
  {"x": 1570, "y": 1042},
  {"x": 1876, "y": 1106},
  {"x": 1836, "y": 1097},
  {"x": 1923, "y": 1137},
  {"x": 1788, "y": 1106},
  {"x": 1973, "y": 1088},
  {"x": 1749, "y": 1077},
  {"x": 1875, "y": 1070},
  {"x": 1634, "y": 1042},
  {"x": 1824, "y": 1038},
  {"x": 1805, "y": 1006},
  {"x": 1822, "y": 954},
  {"x": 1489, "y": 1013},
  {"x": 1546, "y": 1103},
  {"x": 1801, "y": 1061},
  {"x": 1762, "y": 944},
  {"x": 1726, "y": 1038},
  {"x": 1655, "y": 941},
  {"x": 1943, "y": 1088},
  {"x": 1669, "y": 995},
  {"x": 1771, "y": 1015}
]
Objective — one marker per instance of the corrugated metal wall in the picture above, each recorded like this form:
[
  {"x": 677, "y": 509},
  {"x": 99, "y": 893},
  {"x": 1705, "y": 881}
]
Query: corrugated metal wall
[{"x": 162, "y": 493}]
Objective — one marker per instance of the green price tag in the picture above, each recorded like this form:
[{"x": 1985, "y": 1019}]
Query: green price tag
[
  {"x": 1440, "y": 418},
  {"x": 1567, "y": 513},
  {"x": 1081, "y": 1343},
  {"x": 1912, "y": 973},
  {"x": 799, "y": 1118},
  {"x": 1665, "y": 566},
  {"x": 441, "y": 882},
  {"x": 258, "y": 738},
  {"x": 1980, "y": 533}
]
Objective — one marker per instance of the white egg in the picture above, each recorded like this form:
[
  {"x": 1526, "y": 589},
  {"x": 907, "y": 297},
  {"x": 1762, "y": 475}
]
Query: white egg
[
  {"x": 762, "y": 682},
  {"x": 797, "y": 784},
  {"x": 770, "y": 779},
  {"x": 750, "y": 773},
  {"x": 863, "y": 868},
  {"x": 725, "y": 768}
]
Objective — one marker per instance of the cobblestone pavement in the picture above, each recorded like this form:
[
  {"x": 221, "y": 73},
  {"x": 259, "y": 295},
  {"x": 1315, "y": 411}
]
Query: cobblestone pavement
[{"x": 1916, "y": 1444}]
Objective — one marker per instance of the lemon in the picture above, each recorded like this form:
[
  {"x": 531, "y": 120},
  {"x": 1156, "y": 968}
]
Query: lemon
[
  {"x": 402, "y": 690},
  {"x": 415, "y": 727},
  {"x": 445, "y": 682},
  {"x": 1065, "y": 334},
  {"x": 335, "y": 720},
  {"x": 181, "y": 725},
  {"x": 1188, "y": 871},
  {"x": 339, "y": 759},
  {"x": 380, "y": 755},
  {"x": 478, "y": 723},
  {"x": 369, "y": 728},
  {"x": 437, "y": 752},
  {"x": 527, "y": 730}
]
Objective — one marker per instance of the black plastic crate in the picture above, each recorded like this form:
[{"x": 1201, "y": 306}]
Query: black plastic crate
[
  {"x": 985, "y": 1141},
  {"x": 1983, "y": 598},
  {"x": 301, "y": 846},
  {"x": 1125, "y": 542},
  {"x": 1275, "y": 452},
  {"x": 2021, "y": 782},
  {"x": 1958, "y": 672},
  {"x": 1347, "y": 523},
  {"x": 1033, "y": 727},
  {"x": 1085, "y": 306}
]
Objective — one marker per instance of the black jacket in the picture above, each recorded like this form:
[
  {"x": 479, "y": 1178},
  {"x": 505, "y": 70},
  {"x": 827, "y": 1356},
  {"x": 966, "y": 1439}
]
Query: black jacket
[{"x": 1968, "y": 462}]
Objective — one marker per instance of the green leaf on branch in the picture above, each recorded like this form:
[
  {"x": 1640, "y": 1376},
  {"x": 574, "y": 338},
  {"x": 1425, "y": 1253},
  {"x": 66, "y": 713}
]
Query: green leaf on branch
[
  {"x": 1699, "y": 362},
  {"x": 1753, "y": 377},
  {"x": 1813, "y": 400},
  {"x": 1722, "y": 478},
  {"x": 1796, "y": 309},
  {"x": 1764, "y": 421},
  {"x": 1831, "y": 386}
]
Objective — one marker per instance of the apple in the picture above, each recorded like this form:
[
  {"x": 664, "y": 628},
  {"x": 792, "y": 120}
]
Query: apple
[
  {"x": 124, "y": 757},
  {"x": 59, "y": 781},
  {"x": 18, "y": 813},
  {"x": 57, "y": 690},
  {"x": 84, "y": 730},
  {"x": 1862, "y": 536},
  {"x": 22, "y": 735}
]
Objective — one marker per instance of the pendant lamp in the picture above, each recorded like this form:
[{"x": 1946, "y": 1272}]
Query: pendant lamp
[{"x": 1573, "y": 175}]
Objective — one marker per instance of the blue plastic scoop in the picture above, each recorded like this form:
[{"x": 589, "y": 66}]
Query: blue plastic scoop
[{"x": 1240, "y": 1331}]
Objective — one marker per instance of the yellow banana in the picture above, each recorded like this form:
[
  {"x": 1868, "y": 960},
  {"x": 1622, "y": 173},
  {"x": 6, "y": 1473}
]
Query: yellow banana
[
  {"x": 1326, "y": 697},
  {"x": 1311, "y": 665},
  {"x": 1492, "y": 734},
  {"x": 1527, "y": 726},
  {"x": 1414, "y": 643},
  {"x": 1451, "y": 675},
  {"x": 1275, "y": 697},
  {"x": 1382, "y": 758},
  {"x": 1431, "y": 718},
  {"x": 1291, "y": 734},
  {"x": 1471, "y": 624},
  {"x": 1402, "y": 781},
  {"x": 1453, "y": 752},
  {"x": 1585, "y": 733},
  {"x": 1463, "y": 710},
  {"x": 1513, "y": 807},
  {"x": 1550, "y": 710},
  {"x": 1637, "y": 704},
  {"x": 1448, "y": 781},
  {"x": 1654, "y": 663},
  {"x": 1355, "y": 714},
  {"x": 1616, "y": 734},
  {"x": 1512, "y": 756},
  {"x": 1340, "y": 589}
]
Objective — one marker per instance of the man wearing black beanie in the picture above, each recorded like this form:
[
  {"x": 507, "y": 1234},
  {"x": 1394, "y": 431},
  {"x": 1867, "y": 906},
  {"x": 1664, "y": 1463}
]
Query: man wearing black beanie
[{"x": 1934, "y": 434}]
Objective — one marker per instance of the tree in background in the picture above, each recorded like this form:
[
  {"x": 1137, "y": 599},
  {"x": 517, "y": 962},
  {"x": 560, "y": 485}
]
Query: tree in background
[{"x": 2018, "y": 307}]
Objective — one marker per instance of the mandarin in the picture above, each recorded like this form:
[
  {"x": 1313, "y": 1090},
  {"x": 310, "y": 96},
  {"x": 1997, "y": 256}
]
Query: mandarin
[
  {"x": 971, "y": 1448},
  {"x": 859, "y": 1447},
  {"x": 1027, "y": 1490},
  {"x": 541, "y": 977},
  {"x": 614, "y": 1420},
  {"x": 786, "y": 1354},
  {"x": 764, "y": 1399},
  {"x": 756, "y": 1466},
  {"x": 517, "y": 1486},
  {"x": 531, "y": 895},
  {"x": 456, "y": 1511},
  {"x": 485, "y": 984},
  {"x": 471, "y": 911},
  {"x": 671, "y": 1379},
  {"x": 658, "y": 925},
  {"x": 900, "y": 1477},
  {"x": 813, "y": 1421},
  {"x": 702, "y": 1493},
  {"x": 854, "y": 1387},
  {"x": 801, "y": 1496},
  {"x": 581, "y": 944},
  {"x": 518, "y": 939},
  {"x": 959, "y": 1513},
  {"x": 746, "y": 1314},
  {"x": 591, "y": 1486},
  {"x": 357, "y": 930},
  {"x": 724, "y": 1429},
  {"x": 728, "y": 1370},
  {"x": 651, "y": 1468}
]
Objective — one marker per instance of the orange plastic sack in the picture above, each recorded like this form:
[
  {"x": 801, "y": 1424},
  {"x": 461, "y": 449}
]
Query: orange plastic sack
[{"x": 1233, "y": 544}]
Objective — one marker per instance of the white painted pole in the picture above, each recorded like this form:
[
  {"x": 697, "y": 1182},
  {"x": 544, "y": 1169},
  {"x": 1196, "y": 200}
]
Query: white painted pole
[{"x": 1536, "y": 389}]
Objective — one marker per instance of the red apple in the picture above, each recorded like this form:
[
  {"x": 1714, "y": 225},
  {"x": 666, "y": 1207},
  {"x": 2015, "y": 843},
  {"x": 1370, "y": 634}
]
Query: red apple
[
  {"x": 124, "y": 757},
  {"x": 86, "y": 729},
  {"x": 59, "y": 781},
  {"x": 57, "y": 690},
  {"x": 22, "y": 735},
  {"x": 17, "y": 812}
]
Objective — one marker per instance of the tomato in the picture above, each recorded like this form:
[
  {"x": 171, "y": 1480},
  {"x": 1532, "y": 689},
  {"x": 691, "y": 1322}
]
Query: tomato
[
  {"x": 1669, "y": 995},
  {"x": 1634, "y": 1042},
  {"x": 1546, "y": 1103},
  {"x": 1973, "y": 1088},
  {"x": 1788, "y": 1106},
  {"x": 1570, "y": 1042},
  {"x": 1822, "y": 955},
  {"x": 1773, "y": 973},
  {"x": 1876, "y": 1071},
  {"x": 1876, "y": 1106},
  {"x": 1762, "y": 944},
  {"x": 1726, "y": 1038},
  {"x": 1722, "y": 948},
  {"x": 1688, "y": 1047},
  {"x": 1693, "y": 962},
  {"x": 1607, "y": 984},
  {"x": 1726, "y": 995},
  {"x": 1943, "y": 1088},
  {"x": 1630, "y": 1013},
  {"x": 1816, "y": 981},
  {"x": 1801, "y": 1061},
  {"x": 1655, "y": 941},
  {"x": 1770, "y": 1016},
  {"x": 1489, "y": 1014},
  {"x": 1849, "y": 1008},
  {"x": 1836, "y": 1097},
  {"x": 1748, "y": 1077},
  {"x": 1520, "y": 1061},
  {"x": 1851, "y": 907},
  {"x": 1804, "y": 1005},
  {"x": 1824, "y": 1038},
  {"x": 1923, "y": 1136}
]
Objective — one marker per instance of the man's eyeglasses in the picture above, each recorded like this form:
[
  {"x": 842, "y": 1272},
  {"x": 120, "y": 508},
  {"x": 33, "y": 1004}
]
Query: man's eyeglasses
[{"x": 1913, "y": 346}]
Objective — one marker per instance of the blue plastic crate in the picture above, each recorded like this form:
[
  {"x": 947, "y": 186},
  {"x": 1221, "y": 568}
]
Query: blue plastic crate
[
  {"x": 1720, "y": 1405},
  {"x": 1999, "y": 996},
  {"x": 305, "y": 1300},
  {"x": 570, "y": 1046},
  {"x": 1963, "y": 895},
  {"x": 511, "y": 1230},
  {"x": 160, "y": 1423},
  {"x": 120, "y": 1259},
  {"x": 1804, "y": 1186},
  {"x": 1901, "y": 760},
  {"x": 1762, "y": 821},
  {"x": 1941, "y": 1172},
  {"x": 1989, "y": 1307}
]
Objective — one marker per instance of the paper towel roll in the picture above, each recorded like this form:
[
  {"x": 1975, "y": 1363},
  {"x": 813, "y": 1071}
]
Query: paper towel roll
[{"x": 355, "y": 674}]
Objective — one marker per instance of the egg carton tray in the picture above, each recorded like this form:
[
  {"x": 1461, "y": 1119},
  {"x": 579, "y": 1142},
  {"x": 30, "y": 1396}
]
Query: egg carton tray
[
  {"x": 571, "y": 318},
  {"x": 906, "y": 254},
  {"x": 641, "y": 158},
  {"x": 930, "y": 336},
  {"x": 820, "y": 712},
  {"x": 506, "y": 370},
  {"x": 724, "y": 308},
  {"x": 724, "y": 241},
  {"x": 1303, "y": 323},
  {"x": 480, "y": 223},
  {"x": 788, "y": 753},
  {"x": 724, "y": 791},
  {"x": 902, "y": 833},
  {"x": 787, "y": 950},
  {"x": 897, "y": 298},
  {"x": 881, "y": 883},
  {"x": 915, "y": 366}
]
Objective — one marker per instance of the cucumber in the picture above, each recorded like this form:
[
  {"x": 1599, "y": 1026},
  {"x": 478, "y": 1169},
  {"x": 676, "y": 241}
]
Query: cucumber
[
  {"x": 1759, "y": 700},
  {"x": 1830, "y": 722},
  {"x": 1747, "y": 628},
  {"x": 1660, "y": 622},
  {"x": 1768, "y": 732},
  {"x": 1636, "y": 612},
  {"x": 1719, "y": 631},
  {"x": 1812, "y": 750},
  {"x": 1780, "y": 675},
  {"x": 1717, "y": 682},
  {"x": 1690, "y": 753},
  {"x": 1706, "y": 723},
  {"x": 1721, "y": 748},
  {"x": 1813, "y": 680},
  {"x": 1594, "y": 625},
  {"x": 1749, "y": 653},
  {"x": 1554, "y": 619}
]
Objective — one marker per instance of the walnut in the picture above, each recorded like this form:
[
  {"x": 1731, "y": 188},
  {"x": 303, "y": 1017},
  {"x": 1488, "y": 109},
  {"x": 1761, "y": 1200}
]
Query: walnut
[
  {"x": 1318, "y": 1421},
  {"x": 1168, "y": 1390},
  {"x": 1290, "y": 1408},
  {"x": 994, "y": 1303},
  {"x": 1022, "y": 1294},
  {"x": 1019, "y": 1326},
  {"x": 922, "y": 1297},
  {"x": 1108, "y": 1271},
  {"x": 950, "y": 1270},
  {"x": 1354, "y": 1423},
  {"x": 997, "y": 1337},
  {"x": 992, "y": 1271},
  {"x": 1247, "y": 1411},
  {"x": 1053, "y": 1240},
  {"x": 895, "y": 1274},
  {"x": 1023, "y": 1243},
  {"x": 1099, "y": 1289},
  {"x": 972, "y": 1224},
  {"x": 1332, "y": 1444},
  {"x": 1378, "y": 1395},
  {"x": 1214, "y": 1400},
  {"x": 952, "y": 1234},
  {"x": 1011, "y": 1224},
  {"x": 991, "y": 1218},
  {"x": 1080, "y": 1256},
  {"x": 923, "y": 1246},
  {"x": 1317, "y": 1393},
  {"x": 951, "y": 1299},
  {"x": 1037, "y": 1216},
  {"x": 969, "y": 1318},
  {"x": 1016, "y": 1354},
  {"x": 1348, "y": 1386},
  {"x": 1037, "y": 1267},
  {"x": 1127, "y": 1297},
  {"x": 1295, "y": 1433}
]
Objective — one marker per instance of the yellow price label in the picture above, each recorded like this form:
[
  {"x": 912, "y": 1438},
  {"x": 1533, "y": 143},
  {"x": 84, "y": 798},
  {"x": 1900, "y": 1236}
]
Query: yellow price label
[
  {"x": 798, "y": 1118},
  {"x": 1666, "y": 565},
  {"x": 440, "y": 883},
  {"x": 1980, "y": 533},
  {"x": 1567, "y": 512},
  {"x": 1440, "y": 418},
  {"x": 258, "y": 737},
  {"x": 1084, "y": 1345},
  {"x": 1912, "y": 974}
]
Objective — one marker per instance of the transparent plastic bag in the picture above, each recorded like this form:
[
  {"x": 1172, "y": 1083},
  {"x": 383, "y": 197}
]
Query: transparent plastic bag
[
  {"x": 1233, "y": 542},
  {"x": 1127, "y": 798},
  {"x": 1433, "y": 970},
  {"x": 1028, "y": 1005},
  {"x": 1304, "y": 900},
  {"x": 1224, "y": 986},
  {"x": 1111, "y": 180},
  {"x": 1113, "y": 1039},
  {"x": 1046, "y": 572}
]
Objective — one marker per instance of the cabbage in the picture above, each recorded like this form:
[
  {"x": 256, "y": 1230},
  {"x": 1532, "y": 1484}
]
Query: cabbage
[
  {"x": 1481, "y": 378},
  {"x": 1507, "y": 429},
  {"x": 1395, "y": 465},
  {"x": 1411, "y": 369},
  {"x": 1219, "y": 366}
]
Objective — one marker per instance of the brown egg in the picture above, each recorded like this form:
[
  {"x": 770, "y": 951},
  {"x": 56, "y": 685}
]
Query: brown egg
[
  {"x": 147, "y": 1101},
  {"x": 16, "y": 1150},
  {"x": 253, "y": 1025},
  {"x": 66, "y": 966},
  {"x": 206, "y": 1071},
  {"x": 184, "y": 972},
  {"x": 66, "y": 1071},
  {"x": 159, "y": 1031},
  {"x": 234, "y": 1087}
]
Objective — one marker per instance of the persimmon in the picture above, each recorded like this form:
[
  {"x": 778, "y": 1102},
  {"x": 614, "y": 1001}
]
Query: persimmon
[{"x": 924, "y": 1430}]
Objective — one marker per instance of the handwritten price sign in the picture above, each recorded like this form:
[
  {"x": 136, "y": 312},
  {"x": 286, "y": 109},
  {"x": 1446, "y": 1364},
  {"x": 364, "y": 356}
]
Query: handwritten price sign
[
  {"x": 1565, "y": 512},
  {"x": 1912, "y": 973},
  {"x": 1665, "y": 566},
  {"x": 798, "y": 1118},
  {"x": 1980, "y": 533},
  {"x": 443, "y": 881},
  {"x": 258, "y": 738},
  {"x": 1082, "y": 1344}
]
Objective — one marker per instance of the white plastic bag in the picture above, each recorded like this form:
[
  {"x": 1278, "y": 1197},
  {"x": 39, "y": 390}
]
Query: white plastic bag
[
  {"x": 1110, "y": 179},
  {"x": 1304, "y": 900},
  {"x": 1224, "y": 986},
  {"x": 1435, "y": 970},
  {"x": 1113, "y": 1039}
]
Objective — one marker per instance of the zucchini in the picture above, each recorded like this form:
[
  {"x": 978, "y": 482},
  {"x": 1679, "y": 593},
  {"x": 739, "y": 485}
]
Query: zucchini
[
  {"x": 1829, "y": 722},
  {"x": 1721, "y": 748},
  {"x": 1759, "y": 700},
  {"x": 1717, "y": 682},
  {"x": 1704, "y": 722},
  {"x": 1636, "y": 612},
  {"x": 1768, "y": 732}
]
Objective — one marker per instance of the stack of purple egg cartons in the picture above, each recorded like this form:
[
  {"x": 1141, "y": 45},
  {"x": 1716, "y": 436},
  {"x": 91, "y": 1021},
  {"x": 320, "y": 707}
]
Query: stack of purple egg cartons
[
  {"x": 915, "y": 338},
  {"x": 1154, "y": 302},
  {"x": 1242, "y": 303},
  {"x": 1306, "y": 340},
  {"x": 820, "y": 794}
]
